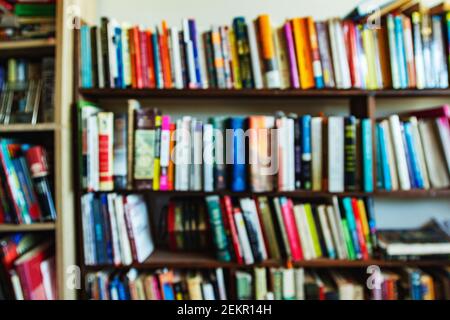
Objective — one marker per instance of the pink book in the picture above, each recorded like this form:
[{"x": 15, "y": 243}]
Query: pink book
[
  {"x": 165, "y": 154},
  {"x": 295, "y": 82},
  {"x": 292, "y": 234},
  {"x": 145, "y": 83}
]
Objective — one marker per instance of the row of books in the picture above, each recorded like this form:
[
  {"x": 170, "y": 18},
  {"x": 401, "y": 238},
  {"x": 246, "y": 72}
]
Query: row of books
[
  {"x": 414, "y": 152},
  {"x": 144, "y": 149},
  {"x": 27, "y": 90},
  {"x": 269, "y": 284},
  {"x": 25, "y": 190},
  {"x": 404, "y": 51},
  {"x": 116, "y": 229},
  {"x": 159, "y": 285},
  {"x": 251, "y": 231},
  {"x": 27, "y": 268},
  {"x": 21, "y": 20}
]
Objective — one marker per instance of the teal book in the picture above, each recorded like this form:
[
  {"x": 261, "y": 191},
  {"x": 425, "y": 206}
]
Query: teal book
[
  {"x": 367, "y": 153},
  {"x": 218, "y": 229},
  {"x": 86, "y": 57},
  {"x": 386, "y": 172}
]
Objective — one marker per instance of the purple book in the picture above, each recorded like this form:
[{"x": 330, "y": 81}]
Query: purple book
[{"x": 295, "y": 82}]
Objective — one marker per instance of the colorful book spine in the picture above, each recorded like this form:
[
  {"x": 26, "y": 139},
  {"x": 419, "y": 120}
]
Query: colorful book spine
[
  {"x": 219, "y": 63},
  {"x": 105, "y": 150},
  {"x": 271, "y": 70},
  {"x": 306, "y": 171},
  {"x": 350, "y": 218},
  {"x": 292, "y": 58},
  {"x": 218, "y": 229},
  {"x": 291, "y": 231},
  {"x": 315, "y": 54},
  {"x": 350, "y": 162},
  {"x": 195, "y": 46},
  {"x": 157, "y": 159},
  {"x": 243, "y": 51},
  {"x": 159, "y": 79},
  {"x": 385, "y": 172},
  {"x": 410, "y": 145},
  {"x": 86, "y": 57},
  {"x": 401, "y": 55},
  {"x": 367, "y": 154},
  {"x": 238, "y": 176},
  {"x": 395, "y": 64},
  {"x": 325, "y": 54},
  {"x": 304, "y": 63}
]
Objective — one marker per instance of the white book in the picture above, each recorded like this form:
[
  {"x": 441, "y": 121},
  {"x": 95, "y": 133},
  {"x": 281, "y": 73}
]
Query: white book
[
  {"x": 302, "y": 230},
  {"x": 288, "y": 284},
  {"x": 114, "y": 229},
  {"x": 197, "y": 147},
  {"x": 186, "y": 154},
  {"x": 439, "y": 54},
  {"x": 208, "y": 154},
  {"x": 283, "y": 150},
  {"x": 391, "y": 155},
  {"x": 317, "y": 153},
  {"x": 176, "y": 57},
  {"x": 419, "y": 152},
  {"x": 136, "y": 209},
  {"x": 208, "y": 291},
  {"x": 345, "y": 69},
  {"x": 86, "y": 113},
  {"x": 17, "y": 288},
  {"x": 334, "y": 225},
  {"x": 336, "y": 154},
  {"x": 178, "y": 153},
  {"x": 125, "y": 246},
  {"x": 299, "y": 274},
  {"x": 88, "y": 229},
  {"x": 254, "y": 52},
  {"x": 321, "y": 211},
  {"x": 226, "y": 54},
  {"x": 418, "y": 55},
  {"x": 335, "y": 55},
  {"x": 190, "y": 60},
  {"x": 93, "y": 182},
  {"x": 337, "y": 214},
  {"x": 437, "y": 168},
  {"x": 48, "y": 271},
  {"x": 100, "y": 70},
  {"x": 399, "y": 151},
  {"x": 290, "y": 133},
  {"x": 127, "y": 78},
  {"x": 112, "y": 51},
  {"x": 221, "y": 284},
  {"x": 243, "y": 238},
  {"x": 251, "y": 208}
]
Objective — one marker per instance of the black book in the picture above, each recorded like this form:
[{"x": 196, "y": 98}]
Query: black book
[
  {"x": 320, "y": 235},
  {"x": 306, "y": 171},
  {"x": 105, "y": 51},
  {"x": 252, "y": 236},
  {"x": 94, "y": 57},
  {"x": 350, "y": 161},
  {"x": 298, "y": 154},
  {"x": 209, "y": 54}
]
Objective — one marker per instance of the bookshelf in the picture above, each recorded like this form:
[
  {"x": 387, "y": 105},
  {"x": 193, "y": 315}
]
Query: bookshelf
[
  {"x": 360, "y": 103},
  {"x": 55, "y": 136}
]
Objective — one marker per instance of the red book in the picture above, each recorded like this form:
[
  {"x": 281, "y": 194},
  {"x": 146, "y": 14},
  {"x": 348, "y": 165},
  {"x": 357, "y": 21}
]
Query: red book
[
  {"x": 165, "y": 56},
  {"x": 291, "y": 230},
  {"x": 228, "y": 206},
  {"x": 28, "y": 269},
  {"x": 442, "y": 111},
  {"x": 352, "y": 52},
  {"x": 359, "y": 229},
  {"x": 143, "y": 47},
  {"x": 135, "y": 53},
  {"x": 131, "y": 44},
  {"x": 171, "y": 226},
  {"x": 151, "y": 60}
]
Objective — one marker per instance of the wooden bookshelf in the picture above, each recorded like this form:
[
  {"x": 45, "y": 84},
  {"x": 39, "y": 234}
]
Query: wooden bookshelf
[
  {"x": 187, "y": 260},
  {"x": 40, "y": 127},
  {"x": 37, "y": 227},
  {"x": 27, "y": 48}
]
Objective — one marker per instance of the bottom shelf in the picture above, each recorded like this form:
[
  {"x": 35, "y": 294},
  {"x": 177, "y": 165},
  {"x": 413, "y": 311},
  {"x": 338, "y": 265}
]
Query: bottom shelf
[{"x": 169, "y": 259}]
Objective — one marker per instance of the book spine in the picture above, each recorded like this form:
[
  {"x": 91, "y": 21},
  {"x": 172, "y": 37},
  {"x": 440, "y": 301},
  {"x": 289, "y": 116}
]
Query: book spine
[
  {"x": 325, "y": 56},
  {"x": 238, "y": 181},
  {"x": 367, "y": 154},
  {"x": 360, "y": 230},
  {"x": 243, "y": 51},
  {"x": 209, "y": 54},
  {"x": 298, "y": 154},
  {"x": 171, "y": 170},
  {"x": 218, "y": 230},
  {"x": 386, "y": 172},
  {"x": 106, "y": 225},
  {"x": 418, "y": 51},
  {"x": 306, "y": 152},
  {"x": 177, "y": 68},
  {"x": 336, "y": 154},
  {"x": 395, "y": 67},
  {"x": 293, "y": 68},
  {"x": 304, "y": 64},
  {"x": 159, "y": 79},
  {"x": 120, "y": 81},
  {"x": 145, "y": 64},
  {"x": 409, "y": 158},
  {"x": 196, "y": 54},
  {"x": 401, "y": 56},
  {"x": 120, "y": 151},
  {"x": 409, "y": 52},
  {"x": 144, "y": 149},
  {"x": 237, "y": 81},
  {"x": 208, "y": 166},
  {"x": 350, "y": 153},
  {"x": 165, "y": 56},
  {"x": 243, "y": 237},
  {"x": 370, "y": 210},
  {"x": 351, "y": 224},
  {"x": 131, "y": 45},
  {"x": 316, "y": 63},
  {"x": 105, "y": 150},
  {"x": 165, "y": 153},
  {"x": 233, "y": 230},
  {"x": 317, "y": 153},
  {"x": 126, "y": 63},
  {"x": 419, "y": 183},
  {"x": 292, "y": 234},
  {"x": 226, "y": 54},
  {"x": 157, "y": 161},
  {"x": 86, "y": 57},
  {"x": 255, "y": 59}
]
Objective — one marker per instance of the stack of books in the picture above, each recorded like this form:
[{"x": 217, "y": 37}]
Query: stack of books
[
  {"x": 27, "y": 90},
  {"x": 414, "y": 152},
  {"x": 158, "y": 285},
  {"x": 143, "y": 149},
  {"x": 27, "y": 268},
  {"x": 406, "y": 50},
  {"x": 251, "y": 231},
  {"x": 25, "y": 190},
  {"x": 21, "y": 19},
  {"x": 300, "y": 284},
  {"x": 116, "y": 229}
]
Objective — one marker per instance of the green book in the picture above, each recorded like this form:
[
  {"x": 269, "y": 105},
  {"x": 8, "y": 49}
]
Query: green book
[
  {"x": 268, "y": 228},
  {"x": 313, "y": 229},
  {"x": 260, "y": 283},
  {"x": 35, "y": 10},
  {"x": 348, "y": 241},
  {"x": 217, "y": 228},
  {"x": 244, "y": 286},
  {"x": 277, "y": 283}
]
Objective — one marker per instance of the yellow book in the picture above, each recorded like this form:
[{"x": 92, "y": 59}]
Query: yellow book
[
  {"x": 365, "y": 224},
  {"x": 157, "y": 161},
  {"x": 237, "y": 83},
  {"x": 369, "y": 49},
  {"x": 313, "y": 229},
  {"x": 194, "y": 284},
  {"x": 428, "y": 283},
  {"x": 301, "y": 39}
]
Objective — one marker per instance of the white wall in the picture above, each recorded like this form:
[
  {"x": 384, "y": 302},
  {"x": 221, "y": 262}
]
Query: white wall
[{"x": 390, "y": 213}]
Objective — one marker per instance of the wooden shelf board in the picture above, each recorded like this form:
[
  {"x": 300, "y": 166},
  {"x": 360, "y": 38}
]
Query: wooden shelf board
[
  {"x": 48, "y": 226},
  {"x": 27, "y": 44},
  {"x": 163, "y": 258},
  {"x": 296, "y": 194},
  {"x": 256, "y": 93},
  {"x": 28, "y": 127}
]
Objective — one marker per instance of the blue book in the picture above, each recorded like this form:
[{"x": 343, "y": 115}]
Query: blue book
[
  {"x": 114, "y": 289},
  {"x": 380, "y": 184},
  {"x": 168, "y": 292},
  {"x": 194, "y": 38},
  {"x": 306, "y": 171},
  {"x": 120, "y": 81},
  {"x": 418, "y": 179},
  {"x": 238, "y": 172},
  {"x": 106, "y": 228},
  {"x": 385, "y": 165},
  {"x": 347, "y": 203},
  {"x": 2, "y": 77},
  {"x": 367, "y": 154},
  {"x": 409, "y": 163},
  {"x": 122, "y": 290},
  {"x": 86, "y": 57},
  {"x": 401, "y": 55},
  {"x": 157, "y": 61},
  {"x": 100, "y": 249}
]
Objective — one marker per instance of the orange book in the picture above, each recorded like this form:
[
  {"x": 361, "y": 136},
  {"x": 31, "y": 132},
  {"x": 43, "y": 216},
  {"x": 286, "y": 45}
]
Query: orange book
[
  {"x": 303, "y": 53},
  {"x": 165, "y": 56},
  {"x": 171, "y": 170},
  {"x": 268, "y": 55},
  {"x": 316, "y": 64},
  {"x": 131, "y": 44},
  {"x": 151, "y": 60},
  {"x": 135, "y": 52},
  {"x": 383, "y": 46}
]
